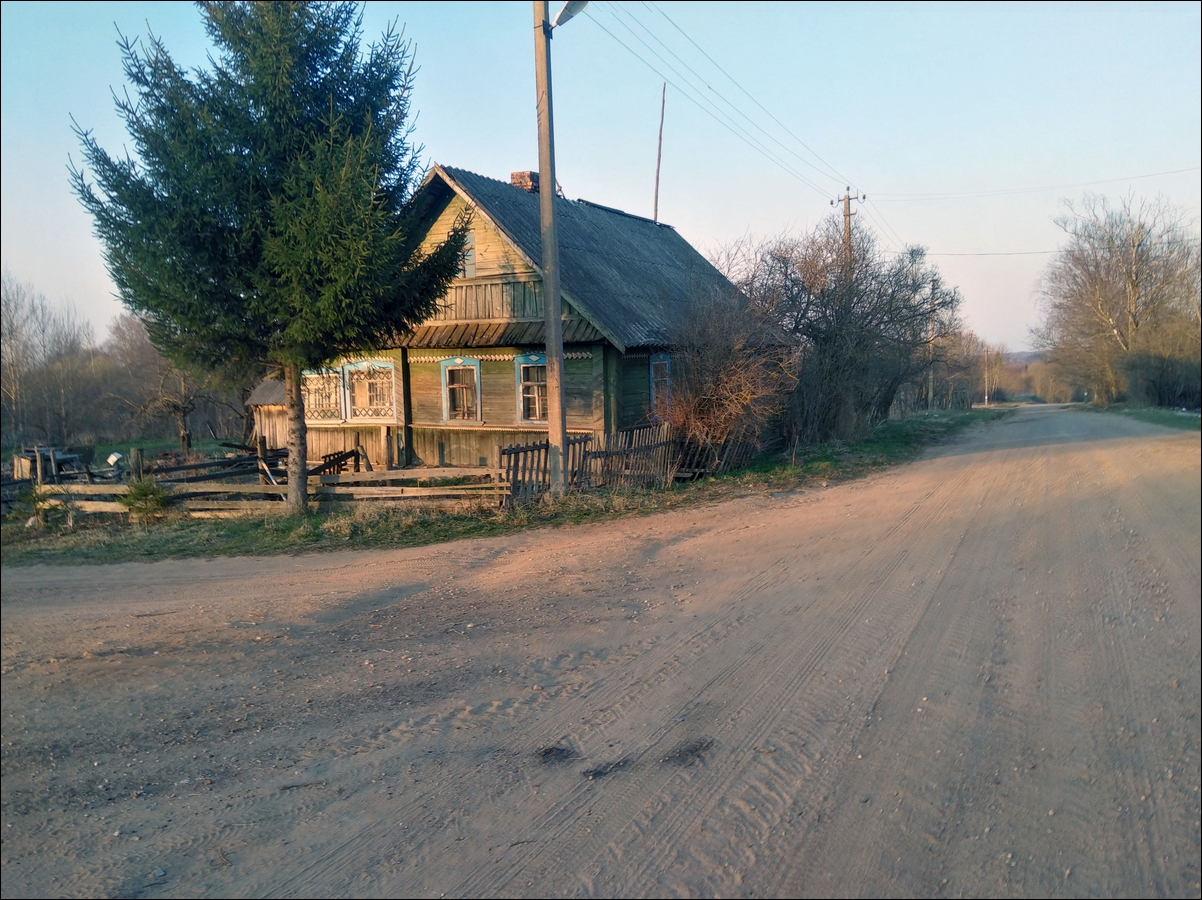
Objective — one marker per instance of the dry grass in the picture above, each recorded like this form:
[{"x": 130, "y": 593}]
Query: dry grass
[{"x": 367, "y": 525}]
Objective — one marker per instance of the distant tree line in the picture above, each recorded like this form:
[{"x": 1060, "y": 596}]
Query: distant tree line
[
  {"x": 826, "y": 338},
  {"x": 1121, "y": 304},
  {"x": 59, "y": 386}
]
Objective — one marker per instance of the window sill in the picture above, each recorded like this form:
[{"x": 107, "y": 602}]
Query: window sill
[
  {"x": 476, "y": 426},
  {"x": 342, "y": 423}
]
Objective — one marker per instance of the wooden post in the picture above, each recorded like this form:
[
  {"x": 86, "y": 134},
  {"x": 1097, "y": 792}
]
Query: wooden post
[
  {"x": 262, "y": 454},
  {"x": 386, "y": 440},
  {"x": 363, "y": 453},
  {"x": 53, "y": 466},
  {"x": 552, "y": 302},
  {"x": 406, "y": 411},
  {"x": 39, "y": 469}
]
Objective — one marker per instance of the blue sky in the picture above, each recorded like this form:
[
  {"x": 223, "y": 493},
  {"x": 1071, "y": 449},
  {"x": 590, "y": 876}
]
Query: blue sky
[{"x": 907, "y": 102}]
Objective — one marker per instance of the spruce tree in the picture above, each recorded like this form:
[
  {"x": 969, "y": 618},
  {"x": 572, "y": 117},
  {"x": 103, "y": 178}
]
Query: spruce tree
[{"x": 268, "y": 214}]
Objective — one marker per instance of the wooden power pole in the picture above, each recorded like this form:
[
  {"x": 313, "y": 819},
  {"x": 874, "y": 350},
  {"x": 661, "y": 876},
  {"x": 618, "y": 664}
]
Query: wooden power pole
[
  {"x": 557, "y": 429},
  {"x": 931, "y": 341},
  {"x": 659, "y": 151},
  {"x": 847, "y": 214}
]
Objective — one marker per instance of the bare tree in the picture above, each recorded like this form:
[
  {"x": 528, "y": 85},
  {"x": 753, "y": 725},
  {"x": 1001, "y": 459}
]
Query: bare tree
[
  {"x": 16, "y": 355},
  {"x": 993, "y": 367},
  {"x": 153, "y": 388},
  {"x": 51, "y": 368},
  {"x": 1121, "y": 301},
  {"x": 862, "y": 329}
]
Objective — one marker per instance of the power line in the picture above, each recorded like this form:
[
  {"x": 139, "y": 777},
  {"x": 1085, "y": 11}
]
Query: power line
[
  {"x": 908, "y": 198},
  {"x": 729, "y": 123},
  {"x": 742, "y": 136},
  {"x": 838, "y": 174},
  {"x": 1172, "y": 242},
  {"x": 875, "y": 214},
  {"x": 721, "y": 96}
]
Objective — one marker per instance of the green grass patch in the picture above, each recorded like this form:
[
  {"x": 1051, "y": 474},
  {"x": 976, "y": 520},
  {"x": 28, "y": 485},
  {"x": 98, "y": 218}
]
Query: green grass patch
[
  {"x": 1154, "y": 415},
  {"x": 368, "y": 525}
]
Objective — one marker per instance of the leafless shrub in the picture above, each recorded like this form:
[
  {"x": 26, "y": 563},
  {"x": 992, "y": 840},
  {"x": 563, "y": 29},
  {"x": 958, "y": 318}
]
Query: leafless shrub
[{"x": 731, "y": 373}]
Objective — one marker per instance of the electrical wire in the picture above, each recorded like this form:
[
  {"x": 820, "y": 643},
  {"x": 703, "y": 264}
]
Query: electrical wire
[
  {"x": 743, "y": 137},
  {"x": 875, "y": 213},
  {"x": 838, "y": 175},
  {"x": 721, "y": 96},
  {"x": 730, "y": 123},
  {"x": 962, "y": 195}
]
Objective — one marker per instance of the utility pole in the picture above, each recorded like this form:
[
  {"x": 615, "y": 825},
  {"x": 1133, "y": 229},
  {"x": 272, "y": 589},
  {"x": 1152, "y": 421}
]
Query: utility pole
[
  {"x": 931, "y": 341},
  {"x": 847, "y": 214},
  {"x": 659, "y": 151},
  {"x": 557, "y": 428}
]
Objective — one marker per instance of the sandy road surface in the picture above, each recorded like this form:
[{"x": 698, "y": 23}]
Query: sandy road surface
[{"x": 975, "y": 674}]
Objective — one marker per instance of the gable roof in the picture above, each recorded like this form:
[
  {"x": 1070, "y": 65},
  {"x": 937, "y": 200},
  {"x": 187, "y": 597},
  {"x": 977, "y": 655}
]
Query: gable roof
[
  {"x": 268, "y": 392},
  {"x": 629, "y": 276}
]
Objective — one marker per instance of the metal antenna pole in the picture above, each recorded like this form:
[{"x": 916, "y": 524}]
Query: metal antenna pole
[
  {"x": 557, "y": 429},
  {"x": 659, "y": 151}
]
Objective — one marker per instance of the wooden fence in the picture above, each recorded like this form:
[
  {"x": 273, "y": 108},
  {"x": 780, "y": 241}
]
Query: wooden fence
[
  {"x": 635, "y": 457},
  {"x": 207, "y": 499},
  {"x": 695, "y": 459},
  {"x": 646, "y": 456},
  {"x": 525, "y": 468}
]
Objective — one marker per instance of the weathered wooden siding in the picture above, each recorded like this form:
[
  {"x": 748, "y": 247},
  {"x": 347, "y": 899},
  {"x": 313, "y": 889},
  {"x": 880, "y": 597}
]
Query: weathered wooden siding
[
  {"x": 494, "y": 255},
  {"x": 425, "y": 386},
  {"x": 491, "y": 301},
  {"x": 613, "y": 395},
  {"x": 634, "y": 391},
  {"x": 469, "y": 446},
  {"x": 271, "y": 422},
  {"x": 582, "y": 392},
  {"x": 464, "y": 444}
]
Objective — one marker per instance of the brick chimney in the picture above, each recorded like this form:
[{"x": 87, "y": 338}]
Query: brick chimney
[{"x": 527, "y": 181}]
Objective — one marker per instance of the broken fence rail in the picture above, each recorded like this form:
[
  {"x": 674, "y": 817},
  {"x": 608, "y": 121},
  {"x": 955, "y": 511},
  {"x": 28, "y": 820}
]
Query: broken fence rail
[
  {"x": 228, "y": 497},
  {"x": 525, "y": 468},
  {"x": 641, "y": 457}
]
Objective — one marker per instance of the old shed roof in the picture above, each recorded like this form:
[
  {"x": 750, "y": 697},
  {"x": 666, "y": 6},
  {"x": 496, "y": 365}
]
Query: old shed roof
[
  {"x": 268, "y": 392},
  {"x": 630, "y": 276}
]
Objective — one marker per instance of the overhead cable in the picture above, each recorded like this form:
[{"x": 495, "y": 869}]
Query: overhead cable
[
  {"x": 742, "y": 136},
  {"x": 963, "y": 195}
]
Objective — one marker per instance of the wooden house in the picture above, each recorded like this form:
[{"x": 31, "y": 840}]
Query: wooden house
[{"x": 471, "y": 379}]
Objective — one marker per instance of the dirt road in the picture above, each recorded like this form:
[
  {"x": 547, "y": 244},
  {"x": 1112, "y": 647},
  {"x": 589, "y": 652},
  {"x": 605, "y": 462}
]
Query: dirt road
[{"x": 974, "y": 674}]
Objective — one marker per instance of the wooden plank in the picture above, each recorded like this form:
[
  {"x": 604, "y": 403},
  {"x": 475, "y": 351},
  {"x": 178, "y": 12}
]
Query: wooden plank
[
  {"x": 365, "y": 493},
  {"x": 407, "y": 475},
  {"x": 86, "y": 490},
  {"x": 191, "y": 490},
  {"x": 93, "y": 506},
  {"x": 264, "y": 506}
]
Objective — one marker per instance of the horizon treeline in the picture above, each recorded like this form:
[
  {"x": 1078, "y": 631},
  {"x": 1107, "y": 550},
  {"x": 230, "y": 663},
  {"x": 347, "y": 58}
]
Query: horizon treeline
[{"x": 60, "y": 386}]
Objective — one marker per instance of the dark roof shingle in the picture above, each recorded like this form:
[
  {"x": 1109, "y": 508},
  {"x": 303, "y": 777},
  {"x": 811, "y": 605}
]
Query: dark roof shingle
[{"x": 631, "y": 276}]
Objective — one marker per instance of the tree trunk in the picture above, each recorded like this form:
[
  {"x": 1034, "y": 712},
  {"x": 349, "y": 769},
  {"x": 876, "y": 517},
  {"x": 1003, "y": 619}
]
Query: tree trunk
[{"x": 298, "y": 474}]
